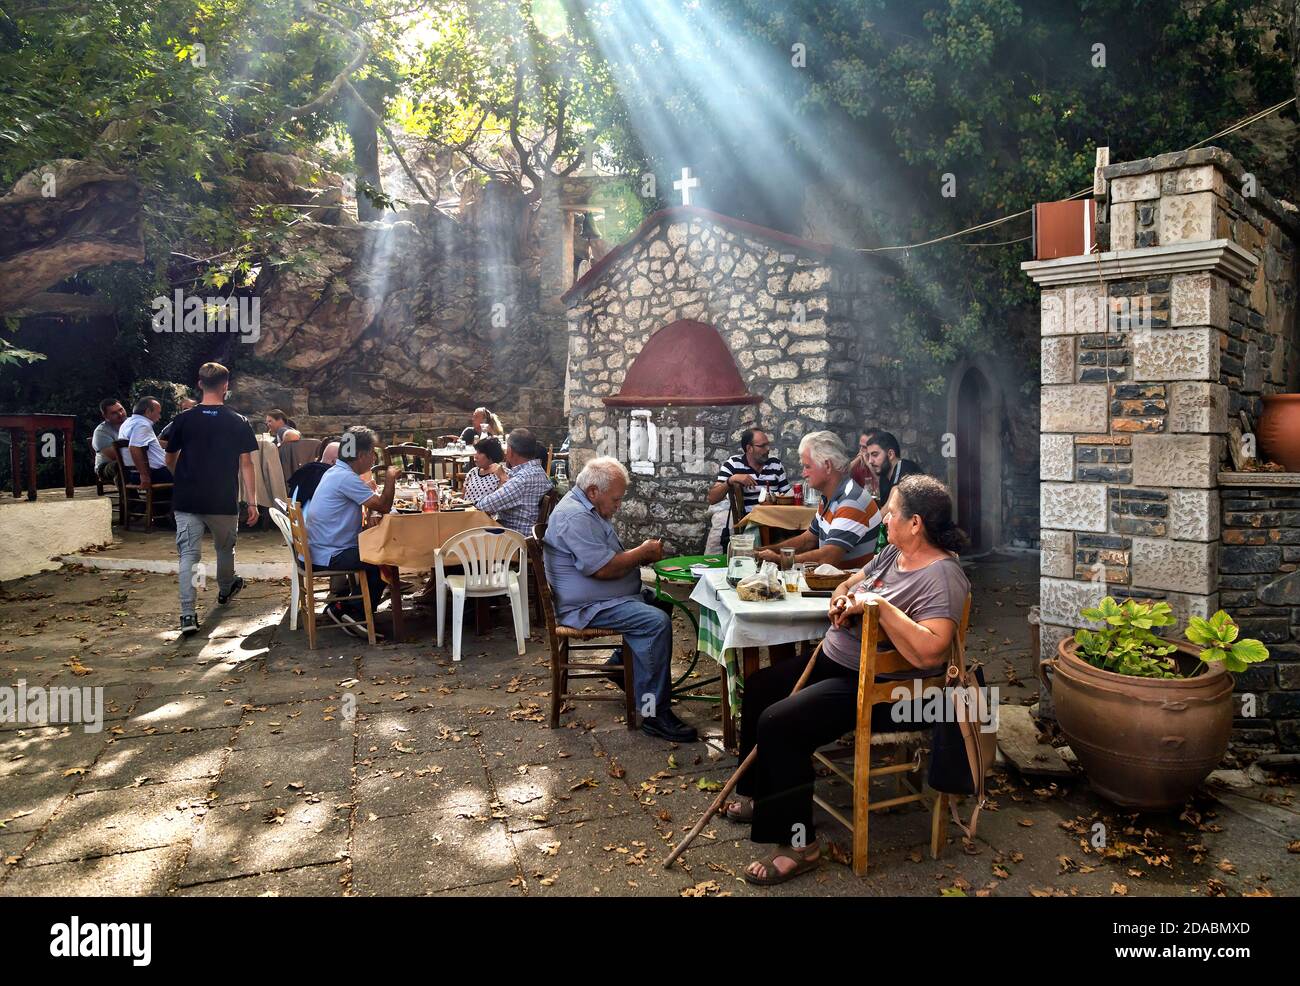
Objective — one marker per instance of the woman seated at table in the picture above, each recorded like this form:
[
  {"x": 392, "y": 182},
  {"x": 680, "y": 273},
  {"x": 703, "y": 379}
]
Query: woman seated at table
[
  {"x": 921, "y": 590},
  {"x": 489, "y": 473},
  {"x": 480, "y": 417}
]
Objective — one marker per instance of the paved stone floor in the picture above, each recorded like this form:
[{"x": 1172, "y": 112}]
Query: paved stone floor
[{"x": 242, "y": 763}]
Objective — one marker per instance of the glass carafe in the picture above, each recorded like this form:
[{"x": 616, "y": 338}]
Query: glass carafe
[{"x": 740, "y": 558}]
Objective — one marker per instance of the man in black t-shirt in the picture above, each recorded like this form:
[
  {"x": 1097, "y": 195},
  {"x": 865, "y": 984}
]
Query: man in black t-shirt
[{"x": 210, "y": 445}]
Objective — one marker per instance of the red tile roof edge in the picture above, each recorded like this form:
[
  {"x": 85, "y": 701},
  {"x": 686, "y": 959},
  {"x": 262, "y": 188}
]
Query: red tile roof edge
[{"x": 598, "y": 269}]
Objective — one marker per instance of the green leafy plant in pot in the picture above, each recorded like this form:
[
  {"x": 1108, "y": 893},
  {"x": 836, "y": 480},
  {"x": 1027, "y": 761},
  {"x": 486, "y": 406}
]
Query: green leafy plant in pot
[{"x": 1148, "y": 717}]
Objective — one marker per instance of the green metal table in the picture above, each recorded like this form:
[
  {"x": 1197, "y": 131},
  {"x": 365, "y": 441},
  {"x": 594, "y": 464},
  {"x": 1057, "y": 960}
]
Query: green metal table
[{"x": 677, "y": 571}]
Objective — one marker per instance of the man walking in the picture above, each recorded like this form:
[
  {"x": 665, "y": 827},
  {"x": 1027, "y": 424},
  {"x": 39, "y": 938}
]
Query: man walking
[{"x": 210, "y": 445}]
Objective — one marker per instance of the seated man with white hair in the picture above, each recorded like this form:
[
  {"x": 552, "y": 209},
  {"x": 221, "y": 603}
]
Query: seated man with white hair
[
  {"x": 844, "y": 529},
  {"x": 598, "y": 583}
]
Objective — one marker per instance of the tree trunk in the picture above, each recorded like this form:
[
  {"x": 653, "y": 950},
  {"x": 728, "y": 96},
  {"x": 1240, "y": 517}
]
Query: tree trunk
[{"x": 365, "y": 149}]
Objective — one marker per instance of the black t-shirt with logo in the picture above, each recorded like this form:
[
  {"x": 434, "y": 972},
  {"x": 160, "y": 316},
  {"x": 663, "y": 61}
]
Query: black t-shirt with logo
[{"x": 211, "y": 439}]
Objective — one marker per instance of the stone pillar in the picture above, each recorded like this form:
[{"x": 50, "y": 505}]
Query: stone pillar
[{"x": 1133, "y": 414}]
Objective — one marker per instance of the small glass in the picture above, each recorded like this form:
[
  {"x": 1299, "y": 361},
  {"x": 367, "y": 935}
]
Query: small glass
[
  {"x": 793, "y": 578},
  {"x": 787, "y": 559}
]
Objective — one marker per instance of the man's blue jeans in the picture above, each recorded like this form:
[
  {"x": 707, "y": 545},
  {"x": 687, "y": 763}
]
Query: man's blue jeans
[
  {"x": 189, "y": 545},
  {"x": 648, "y": 631}
]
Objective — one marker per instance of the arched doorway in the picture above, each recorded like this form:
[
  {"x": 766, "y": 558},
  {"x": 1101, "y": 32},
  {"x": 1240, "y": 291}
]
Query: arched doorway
[{"x": 975, "y": 466}]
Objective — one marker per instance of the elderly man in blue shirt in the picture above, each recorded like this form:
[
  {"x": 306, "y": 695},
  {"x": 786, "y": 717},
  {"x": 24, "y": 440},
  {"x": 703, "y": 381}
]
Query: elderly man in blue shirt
[{"x": 598, "y": 583}]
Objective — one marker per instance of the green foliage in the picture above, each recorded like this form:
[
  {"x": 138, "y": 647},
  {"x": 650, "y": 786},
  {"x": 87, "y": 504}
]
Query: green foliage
[
  {"x": 1126, "y": 644},
  {"x": 1007, "y": 98},
  {"x": 1218, "y": 637}
]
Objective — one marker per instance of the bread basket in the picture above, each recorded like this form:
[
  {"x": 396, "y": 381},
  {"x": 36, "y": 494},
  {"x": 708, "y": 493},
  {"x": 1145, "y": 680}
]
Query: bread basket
[{"x": 821, "y": 583}]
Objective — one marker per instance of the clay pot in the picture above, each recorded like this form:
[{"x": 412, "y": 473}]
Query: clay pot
[
  {"x": 1279, "y": 430},
  {"x": 1144, "y": 742}
]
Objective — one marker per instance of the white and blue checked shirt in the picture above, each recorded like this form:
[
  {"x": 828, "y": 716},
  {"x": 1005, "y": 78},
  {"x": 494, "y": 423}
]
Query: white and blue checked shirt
[{"x": 515, "y": 502}]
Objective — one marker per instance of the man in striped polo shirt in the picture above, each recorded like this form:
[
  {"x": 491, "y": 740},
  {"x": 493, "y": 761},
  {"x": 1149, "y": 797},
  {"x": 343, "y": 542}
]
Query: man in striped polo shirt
[
  {"x": 752, "y": 468},
  {"x": 843, "y": 532}
]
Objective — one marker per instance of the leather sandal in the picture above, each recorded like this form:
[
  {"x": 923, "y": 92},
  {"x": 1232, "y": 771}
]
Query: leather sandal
[
  {"x": 772, "y": 875},
  {"x": 743, "y": 814}
]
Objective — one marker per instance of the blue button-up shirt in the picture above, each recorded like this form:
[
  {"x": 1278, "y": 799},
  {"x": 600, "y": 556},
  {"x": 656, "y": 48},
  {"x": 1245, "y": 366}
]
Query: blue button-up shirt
[{"x": 580, "y": 542}]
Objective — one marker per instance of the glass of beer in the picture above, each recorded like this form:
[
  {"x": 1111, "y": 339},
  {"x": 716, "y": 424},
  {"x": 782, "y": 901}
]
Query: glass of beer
[{"x": 792, "y": 577}]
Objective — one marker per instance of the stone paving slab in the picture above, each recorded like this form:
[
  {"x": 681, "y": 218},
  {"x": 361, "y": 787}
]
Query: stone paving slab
[
  {"x": 162, "y": 758},
  {"x": 44, "y": 749},
  {"x": 148, "y": 872},
  {"x": 264, "y": 773},
  {"x": 27, "y": 801},
  {"x": 449, "y": 780},
  {"x": 428, "y": 852},
  {"x": 102, "y": 823},
  {"x": 246, "y": 839},
  {"x": 323, "y": 880},
  {"x": 173, "y": 713},
  {"x": 291, "y": 724}
]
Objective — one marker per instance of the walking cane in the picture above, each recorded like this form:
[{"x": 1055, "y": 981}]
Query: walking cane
[{"x": 735, "y": 778}]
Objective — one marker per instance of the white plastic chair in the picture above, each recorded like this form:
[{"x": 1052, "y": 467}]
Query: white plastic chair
[
  {"x": 281, "y": 520},
  {"x": 488, "y": 556}
]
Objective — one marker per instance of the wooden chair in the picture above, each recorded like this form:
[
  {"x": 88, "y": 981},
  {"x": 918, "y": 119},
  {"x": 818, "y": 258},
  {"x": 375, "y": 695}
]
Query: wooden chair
[
  {"x": 565, "y": 640},
  {"x": 131, "y": 496},
  {"x": 413, "y": 460},
  {"x": 554, "y": 458},
  {"x": 303, "y": 598},
  {"x": 872, "y": 691},
  {"x": 546, "y": 504},
  {"x": 736, "y": 497}
]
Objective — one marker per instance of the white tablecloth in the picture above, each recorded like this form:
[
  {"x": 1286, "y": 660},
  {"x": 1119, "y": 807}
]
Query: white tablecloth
[{"x": 743, "y": 623}]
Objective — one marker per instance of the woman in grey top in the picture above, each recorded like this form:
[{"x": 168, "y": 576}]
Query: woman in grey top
[{"x": 921, "y": 591}]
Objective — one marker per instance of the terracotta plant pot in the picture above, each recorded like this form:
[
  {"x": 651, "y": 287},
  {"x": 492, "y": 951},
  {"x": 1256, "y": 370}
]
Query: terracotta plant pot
[
  {"x": 1279, "y": 430},
  {"x": 1144, "y": 742}
]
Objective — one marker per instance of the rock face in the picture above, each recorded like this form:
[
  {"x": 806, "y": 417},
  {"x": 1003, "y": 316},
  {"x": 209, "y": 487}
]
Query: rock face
[
  {"x": 407, "y": 317},
  {"x": 64, "y": 217}
]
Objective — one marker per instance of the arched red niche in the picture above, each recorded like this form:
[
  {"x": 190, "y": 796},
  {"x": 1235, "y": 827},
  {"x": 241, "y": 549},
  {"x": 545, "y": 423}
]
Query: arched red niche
[{"x": 683, "y": 364}]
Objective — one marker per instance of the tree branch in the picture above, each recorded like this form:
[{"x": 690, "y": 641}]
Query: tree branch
[
  {"x": 524, "y": 164},
  {"x": 392, "y": 143},
  {"x": 363, "y": 52}
]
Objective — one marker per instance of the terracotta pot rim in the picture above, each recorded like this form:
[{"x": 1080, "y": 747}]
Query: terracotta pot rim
[
  {"x": 1066, "y": 650},
  {"x": 1281, "y": 397}
]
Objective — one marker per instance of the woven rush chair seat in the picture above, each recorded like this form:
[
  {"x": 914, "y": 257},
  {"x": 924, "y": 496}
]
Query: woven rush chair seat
[{"x": 586, "y": 633}]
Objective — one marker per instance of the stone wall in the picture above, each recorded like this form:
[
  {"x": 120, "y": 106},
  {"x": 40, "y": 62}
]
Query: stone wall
[
  {"x": 1259, "y": 584},
  {"x": 804, "y": 324},
  {"x": 1148, "y": 349},
  {"x": 771, "y": 303}
]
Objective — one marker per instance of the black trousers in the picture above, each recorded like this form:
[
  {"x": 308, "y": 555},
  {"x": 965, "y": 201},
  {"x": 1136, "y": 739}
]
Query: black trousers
[{"x": 788, "y": 729}]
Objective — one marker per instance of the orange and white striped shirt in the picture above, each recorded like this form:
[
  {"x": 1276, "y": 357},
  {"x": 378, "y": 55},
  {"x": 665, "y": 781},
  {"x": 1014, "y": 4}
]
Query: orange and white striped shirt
[{"x": 850, "y": 520}]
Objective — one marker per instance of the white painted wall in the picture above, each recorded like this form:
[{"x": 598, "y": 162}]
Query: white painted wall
[{"x": 32, "y": 535}]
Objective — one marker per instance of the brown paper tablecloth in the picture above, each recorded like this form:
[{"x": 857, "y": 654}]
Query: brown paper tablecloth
[
  {"x": 410, "y": 540},
  {"x": 785, "y": 518},
  {"x": 268, "y": 474}
]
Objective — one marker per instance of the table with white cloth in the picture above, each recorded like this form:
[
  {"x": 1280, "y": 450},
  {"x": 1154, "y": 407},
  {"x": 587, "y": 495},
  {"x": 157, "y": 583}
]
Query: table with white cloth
[
  {"x": 268, "y": 475},
  {"x": 733, "y": 629}
]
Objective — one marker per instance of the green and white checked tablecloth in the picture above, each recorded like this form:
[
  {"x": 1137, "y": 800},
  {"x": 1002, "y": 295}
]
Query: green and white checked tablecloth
[{"x": 729, "y": 623}]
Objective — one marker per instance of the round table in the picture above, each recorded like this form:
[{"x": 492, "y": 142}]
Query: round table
[{"x": 677, "y": 571}]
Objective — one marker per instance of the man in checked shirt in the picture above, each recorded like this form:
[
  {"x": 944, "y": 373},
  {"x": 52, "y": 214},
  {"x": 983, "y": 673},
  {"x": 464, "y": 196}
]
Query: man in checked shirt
[{"x": 514, "y": 502}]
